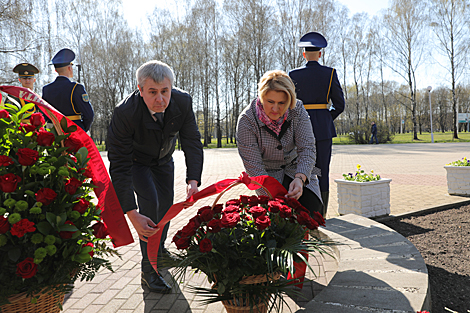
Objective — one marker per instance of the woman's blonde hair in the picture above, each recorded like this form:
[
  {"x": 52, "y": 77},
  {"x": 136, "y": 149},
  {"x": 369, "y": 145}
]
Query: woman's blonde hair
[{"x": 277, "y": 80}]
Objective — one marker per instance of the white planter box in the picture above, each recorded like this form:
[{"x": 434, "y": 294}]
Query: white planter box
[
  {"x": 368, "y": 199},
  {"x": 458, "y": 180}
]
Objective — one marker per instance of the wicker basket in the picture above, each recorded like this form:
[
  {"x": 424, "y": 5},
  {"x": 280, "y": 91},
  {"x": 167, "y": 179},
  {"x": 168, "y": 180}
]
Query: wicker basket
[
  {"x": 46, "y": 303},
  {"x": 241, "y": 303}
]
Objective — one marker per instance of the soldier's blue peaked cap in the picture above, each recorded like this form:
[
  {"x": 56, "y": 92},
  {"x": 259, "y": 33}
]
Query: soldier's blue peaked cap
[
  {"x": 63, "y": 58},
  {"x": 312, "y": 41}
]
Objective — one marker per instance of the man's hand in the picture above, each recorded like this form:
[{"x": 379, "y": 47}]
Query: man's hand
[
  {"x": 191, "y": 188},
  {"x": 144, "y": 225}
]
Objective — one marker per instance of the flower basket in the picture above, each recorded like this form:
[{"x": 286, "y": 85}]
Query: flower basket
[
  {"x": 458, "y": 177},
  {"x": 244, "y": 248},
  {"x": 50, "y": 302}
]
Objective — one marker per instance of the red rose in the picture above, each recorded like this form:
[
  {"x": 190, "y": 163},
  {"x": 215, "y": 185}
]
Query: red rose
[
  {"x": 285, "y": 212},
  {"x": 205, "y": 245},
  {"x": 9, "y": 182},
  {"x": 190, "y": 229},
  {"x": 319, "y": 218},
  {"x": 100, "y": 230},
  {"x": 89, "y": 244},
  {"x": 214, "y": 226},
  {"x": 257, "y": 211},
  {"x": 303, "y": 218},
  {"x": 5, "y": 160},
  {"x": 311, "y": 223},
  {"x": 46, "y": 196},
  {"x": 263, "y": 199},
  {"x": 231, "y": 209},
  {"x": 274, "y": 206},
  {"x": 73, "y": 144},
  {"x": 87, "y": 172},
  {"x": 229, "y": 220},
  {"x": 182, "y": 242},
  {"x": 67, "y": 234},
  {"x": 45, "y": 138},
  {"x": 27, "y": 128},
  {"x": 262, "y": 222},
  {"x": 22, "y": 227},
  {"x": 253, "y": 200},
  {"x": 72, "y": 185},
  {"x": 4, "y": 114},
  {"x": 26, "y": 268},
  {"x": 232, "y": 202},
  {"x": 203, "y": 209},
  {"x": 4, "y": 225},
  {"x": 206, "y": 215},
  {"x": 196, "y": 220},
  {"x": 81, "y": 206},
  {"x": 218, "y": 208},
  {"x": 244, "y": 199},
  {"x": 293, "y": 203},
  {"x": 281, "y": 200},
  {"x": 27, "y": 156},
  {"x": 37, "y": 120}
]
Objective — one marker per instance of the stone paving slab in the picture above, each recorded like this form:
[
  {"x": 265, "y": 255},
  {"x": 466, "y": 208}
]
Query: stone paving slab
[{"x": 418, "y": 182}]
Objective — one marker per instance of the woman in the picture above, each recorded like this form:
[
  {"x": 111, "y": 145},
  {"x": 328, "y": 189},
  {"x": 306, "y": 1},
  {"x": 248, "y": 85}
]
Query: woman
[{"x": 275, "y": 138}]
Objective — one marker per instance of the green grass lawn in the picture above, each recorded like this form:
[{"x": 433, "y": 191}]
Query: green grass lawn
[{"x": 408, "y": 138}]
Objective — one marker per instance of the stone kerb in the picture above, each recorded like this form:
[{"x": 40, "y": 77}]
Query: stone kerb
[
  {"x": 379, "y": 270},
  {"x": 369, "y": 199},
  {"x": 458, "y": 180}
]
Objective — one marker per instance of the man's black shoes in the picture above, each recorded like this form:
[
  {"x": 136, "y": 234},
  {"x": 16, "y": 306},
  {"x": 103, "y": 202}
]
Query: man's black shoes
[
  {"x": 155, "y": 282},
  {"x": 166, "y": 259}
]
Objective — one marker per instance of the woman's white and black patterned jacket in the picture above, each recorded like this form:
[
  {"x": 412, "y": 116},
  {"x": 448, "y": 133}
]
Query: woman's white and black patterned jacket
[{"x": 265, "y": 153}]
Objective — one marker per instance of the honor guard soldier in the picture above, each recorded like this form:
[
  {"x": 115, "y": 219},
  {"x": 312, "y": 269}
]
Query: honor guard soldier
[
  {"x": 317, "y": 85},
  {"x": 26, "y": 78},
  {"x": 69, "y": 98}
]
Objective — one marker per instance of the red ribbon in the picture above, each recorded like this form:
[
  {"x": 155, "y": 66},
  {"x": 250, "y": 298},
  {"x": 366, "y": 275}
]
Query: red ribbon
[
  {"x": 112, "y": 214},
  {"x": 270, "y": 183}
]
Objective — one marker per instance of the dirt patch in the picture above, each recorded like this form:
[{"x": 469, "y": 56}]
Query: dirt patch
[{"x": 443, "y": 239}]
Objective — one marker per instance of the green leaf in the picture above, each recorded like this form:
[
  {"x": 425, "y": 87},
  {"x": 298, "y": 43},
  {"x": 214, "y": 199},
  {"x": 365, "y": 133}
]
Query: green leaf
[
  {"x": 72, "y": 128},
  {"x": 25, "y": 108},
  {"x": 44, "y": 227},
  {"x": 63, "y": 124},
  {"x": 14, "y": 253},
  {"x": 51, "y": 218},
  {"x": 68, "y": 227}
]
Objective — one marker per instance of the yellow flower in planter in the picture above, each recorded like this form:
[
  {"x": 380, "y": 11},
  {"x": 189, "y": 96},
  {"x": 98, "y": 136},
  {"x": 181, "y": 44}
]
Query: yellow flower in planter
[{"x": 361, "y": 175}]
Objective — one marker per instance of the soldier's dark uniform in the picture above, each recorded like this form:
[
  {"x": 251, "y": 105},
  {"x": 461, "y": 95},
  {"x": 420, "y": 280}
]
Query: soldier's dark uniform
[
  {"x": 317, "y": 85},
  {"x": 23, "y": 70},
  {"x": 69, "y": 98}
]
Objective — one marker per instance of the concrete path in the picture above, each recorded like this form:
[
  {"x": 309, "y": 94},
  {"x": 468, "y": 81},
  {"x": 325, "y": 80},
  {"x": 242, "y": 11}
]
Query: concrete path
[{"x": 418, "y": 182}]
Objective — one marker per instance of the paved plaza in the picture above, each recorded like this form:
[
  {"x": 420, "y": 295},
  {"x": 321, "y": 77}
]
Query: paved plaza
[{"x": 418, "y": 183}]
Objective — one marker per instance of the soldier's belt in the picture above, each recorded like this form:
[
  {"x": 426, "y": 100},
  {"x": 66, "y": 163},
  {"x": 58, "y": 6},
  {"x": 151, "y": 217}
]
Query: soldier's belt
[
  {"x": 315, "y": 106},
  {"x": 74, "y": 117}
]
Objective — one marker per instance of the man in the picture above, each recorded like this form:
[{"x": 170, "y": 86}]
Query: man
[
  {"x": 373, "y": 130},
  {"x": 26, "y": 78},
  {"x": 316, "y": 86},
  {"x": 69, "y": 98},
  {"x": 141, "y": 141}
]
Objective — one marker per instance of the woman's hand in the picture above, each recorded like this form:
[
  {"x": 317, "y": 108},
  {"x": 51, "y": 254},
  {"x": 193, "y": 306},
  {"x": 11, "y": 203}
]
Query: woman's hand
[{"x": 296, "y": 188}]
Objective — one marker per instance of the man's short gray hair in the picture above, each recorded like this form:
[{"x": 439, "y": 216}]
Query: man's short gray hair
[{"x": 155, "y": 70}]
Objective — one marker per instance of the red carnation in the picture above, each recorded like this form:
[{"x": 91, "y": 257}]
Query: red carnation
[
  {"x": 9, "y": 182},
  {"x": 214, "y": 226},
  {"x": 4, "y": 225},
  {"x": 22, "y": 227},
  {"x": 205, "y": 245},
  {"x": 262, "y": 222},
  {"x": 27, "y": 128},
  {"x": 100, "y": 230},
  {"x": 229, "y": 220},
  {"x": 26, "y": 268},
  {"x": 45, "y": 138},
  {"x": 319, "y": 218},
  {"x": 285, "y": 212},
  {"x": 5, "y": 160},
  {"x": 257, "y": 211},
  {"x": 72, "y": 185},
  {"x": 4, "y": 114},
  {"x": 73, "y": 144},
  {"x": 67, "y": 234},
  {"x": 81, "y": 206},
  {"x": 46, "y": 196},
  {"x": 37, "y": 120},
  {"x": 274, "y": 206},
  {"x": 27, "y": 156}
]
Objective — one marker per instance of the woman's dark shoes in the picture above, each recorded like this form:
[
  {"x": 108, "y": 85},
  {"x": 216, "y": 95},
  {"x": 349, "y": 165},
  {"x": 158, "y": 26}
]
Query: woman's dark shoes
[{"x": 155, "y": 282}]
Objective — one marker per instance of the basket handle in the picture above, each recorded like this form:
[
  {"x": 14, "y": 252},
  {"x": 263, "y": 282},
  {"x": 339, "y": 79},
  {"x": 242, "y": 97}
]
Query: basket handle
[{"x": 235, "y": 183}]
